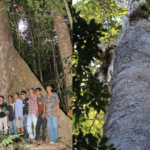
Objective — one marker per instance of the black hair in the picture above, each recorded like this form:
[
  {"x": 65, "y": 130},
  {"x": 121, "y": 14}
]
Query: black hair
[
  {"x": 49, "y": 85},
  {"x": 24, "y": 92},
  {"x": 10, "y": 96},
  {"x": 2, "y": 97},
  {"x": 38, "y": 89},
  {"x": 16, "y": 93}
]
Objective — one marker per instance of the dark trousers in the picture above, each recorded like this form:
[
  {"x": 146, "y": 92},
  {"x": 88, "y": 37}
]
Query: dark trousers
[{"x": 38, "y": 125}]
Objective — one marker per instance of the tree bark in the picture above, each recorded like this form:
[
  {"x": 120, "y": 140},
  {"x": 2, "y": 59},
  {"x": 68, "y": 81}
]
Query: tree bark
[
  {"x": 50, "y": 72},
  {"x": 40, "y": 69},
  {"x": 38, "y": 49},
  {"x": 17, "y": 30},
  {"x": 128, "y": 119},
  {"x": 33, "y": 44},
  {"x": 65, "y": 46},
  {"x": 16, "y": 75},
  {"x": 68, "y": 12},
  {"x": 54, "y": 59}
]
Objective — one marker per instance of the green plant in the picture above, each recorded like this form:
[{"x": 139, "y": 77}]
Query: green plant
[
  {"x": 89, "y": 92},
  {"x": 90, "y": 142},
  {"x": 105, "y": 12},
  {"x": 145, "y": 6},
  {"x": 6, "y": 139}
]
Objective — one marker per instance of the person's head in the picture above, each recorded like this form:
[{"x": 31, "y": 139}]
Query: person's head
[
  {"x": 23, "y": 94},
  {"x": 38, "y": 91},
  {"x": 1, "y": 99},
  {"x": 10, "y": 98},
  {"x": 49, "y": 88},
  {"x": 31, "y": 91},
  {"x": 16, "y": 95}
]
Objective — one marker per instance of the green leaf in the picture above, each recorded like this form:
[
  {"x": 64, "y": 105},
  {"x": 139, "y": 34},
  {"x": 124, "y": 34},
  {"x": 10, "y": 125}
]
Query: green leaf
[{"x": 110, "y": 146}]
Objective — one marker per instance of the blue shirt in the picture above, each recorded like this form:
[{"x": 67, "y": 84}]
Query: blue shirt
[{"x": 18, "y": 108}]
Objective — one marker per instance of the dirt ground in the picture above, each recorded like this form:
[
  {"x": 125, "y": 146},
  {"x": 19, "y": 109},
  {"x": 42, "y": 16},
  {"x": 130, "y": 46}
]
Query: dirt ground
[{"x": 36, "y": 145}]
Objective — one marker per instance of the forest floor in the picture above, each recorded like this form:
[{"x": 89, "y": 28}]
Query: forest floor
[{"x": 35, "y": 145}]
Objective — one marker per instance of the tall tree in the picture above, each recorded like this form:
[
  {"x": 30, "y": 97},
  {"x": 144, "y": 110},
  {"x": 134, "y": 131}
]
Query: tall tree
[
  {"x": 56, "y": 10},
  {"x": 127, "y": 123},
  {"x": 65, "y": 46},
  {"x": 16, "y": 75},
  {"x": 41, "y": 28}
]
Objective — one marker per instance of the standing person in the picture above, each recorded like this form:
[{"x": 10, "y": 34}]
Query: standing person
[
  {"x": 25, "y": 109},
  {"x": 52, "y": 113},
  {"x": 3, "y": 115},
  {"x": 11, "y": 116},
  {"x": 32, "y": 113},
  {"x": 18, "y": 113},
  {"x": 41, "y": 118}
]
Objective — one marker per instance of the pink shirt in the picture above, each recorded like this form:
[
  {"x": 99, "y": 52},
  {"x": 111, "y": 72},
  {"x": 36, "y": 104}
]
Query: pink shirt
[{"x": 32, "y": 105}]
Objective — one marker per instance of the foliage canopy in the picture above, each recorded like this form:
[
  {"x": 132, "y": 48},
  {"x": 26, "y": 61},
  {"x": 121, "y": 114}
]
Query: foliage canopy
[
  {"x": 105, "y": 12},
  {"x": 89, "y": 93}
]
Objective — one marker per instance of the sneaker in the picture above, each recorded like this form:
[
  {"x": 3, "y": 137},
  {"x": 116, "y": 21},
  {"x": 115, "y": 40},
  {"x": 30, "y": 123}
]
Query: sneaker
[{"x": 51, "y": 142}]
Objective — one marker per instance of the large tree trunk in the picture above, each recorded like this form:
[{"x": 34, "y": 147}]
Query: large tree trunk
[
  {"x": 65, "y": 46},
  {"x": 128, "y": 121},
  {"x": 16, "y": 75},
  {"x": 33, "y": 44}
]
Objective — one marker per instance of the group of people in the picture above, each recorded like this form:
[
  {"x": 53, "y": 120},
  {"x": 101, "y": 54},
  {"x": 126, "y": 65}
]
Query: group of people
[{"x": 36, "y": 110}]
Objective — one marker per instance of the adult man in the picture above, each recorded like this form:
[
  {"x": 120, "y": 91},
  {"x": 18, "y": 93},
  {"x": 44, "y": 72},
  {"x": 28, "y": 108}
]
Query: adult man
[
  {"x": 41, "y": 118},
  {"x": 11, "y": 116},
  {"x": 32, "y": 113},
  {"x": 52, "y": 113},
  {"x": 3, "y": 115},
  {"x": 18, "y": 113},
  {"x": 25, "y": 109}
]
